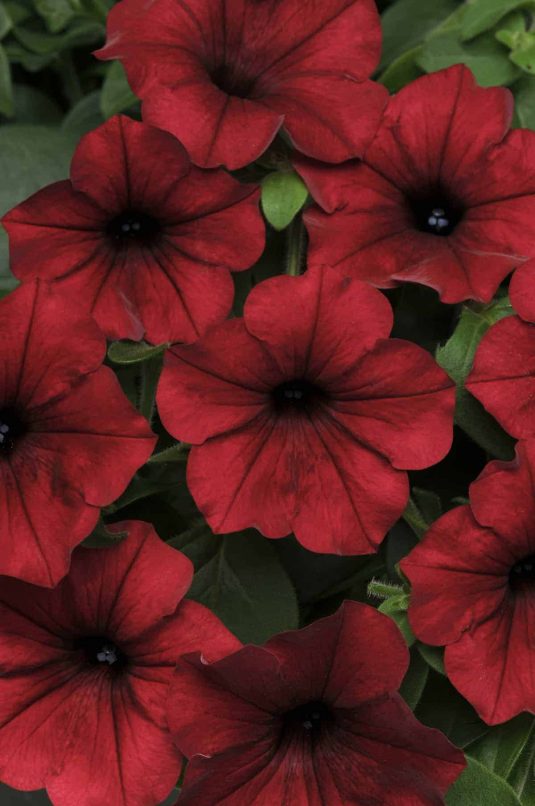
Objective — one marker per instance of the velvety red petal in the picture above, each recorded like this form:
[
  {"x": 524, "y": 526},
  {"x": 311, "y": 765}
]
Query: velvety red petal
[
  {"x": 45, "y": 345},
  {"x": 319, "y": 324},
  {"x": 503, "y": 375},
  {"x": 95, "y": 438},
  {"x": 522, "y": 291},
  {"x": 504, "y": 488},
  {"x": 340, "y": 672},
  {"x": 461, "y": 569},
  {"x": 412, "y": 764},
  {"x": 492, "y": 665},
  {"x": 399, "y": 402},
  {"x": 421, "y": 141},
  {"x": 128, "y": 153},
  {"x": 272, "y": 475},
  {"x": 321, "y": 112},
  {"x": 42, "y": 518},
  {"x": 217, "y": 129},
  {"x": 228, "y": 374},
  {"x": 63, "y": 227}
]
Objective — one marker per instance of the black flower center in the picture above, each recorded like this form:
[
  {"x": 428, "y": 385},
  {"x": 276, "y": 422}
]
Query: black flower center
[
  {"x": 12, "y": 428},
  {"x": 232, "y": 81},
  {"x": 133, "y": 226},
  {"x": 311, "y": 720},
  {"x": 101, "y": 652},
  {"x": 436, "y": 212},
  {"x": 523, "y": 573},
  {"x": 297, "y": 396}
]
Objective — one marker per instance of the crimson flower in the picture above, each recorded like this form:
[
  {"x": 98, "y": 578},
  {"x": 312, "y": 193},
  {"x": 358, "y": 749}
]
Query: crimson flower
[
  {"x": 306, "y": 415},
  {"x": 311, "y": 717},
  {"x": 503, "y": 375},
  {"x": 224, "y": 78},
  {"x": 444, "y": 196},
  {"x": 473, "y": 589},
  {"x": 70, "y": 441},
  {"x": 139, "y": 237},
  {"x": 85, "y": 671}
]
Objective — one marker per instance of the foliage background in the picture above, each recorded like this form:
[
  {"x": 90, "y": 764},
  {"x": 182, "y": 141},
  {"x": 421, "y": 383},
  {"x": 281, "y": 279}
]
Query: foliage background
[{"x": 52, "y": 91}]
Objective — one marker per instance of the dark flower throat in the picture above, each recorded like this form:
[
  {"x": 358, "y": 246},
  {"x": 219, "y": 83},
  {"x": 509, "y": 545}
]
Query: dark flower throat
[
  {"x": 436, "y": 212},
  {"x": 310, "y": 720},
  {"x": 522, "y": 573},
  {"x": 297, "y": 396},
  {"x": 133, "y": 226},
  {"x": 100, "y": 651},
  {"x": 12, "y": 428}
]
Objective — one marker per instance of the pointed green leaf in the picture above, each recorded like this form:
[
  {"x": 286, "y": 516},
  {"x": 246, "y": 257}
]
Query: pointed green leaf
[
  {"x": 132, "y": 352},
  {"x": 482, "y": 15},
  {"x": 478, "y": 786},
  {"x": 283, "y": 195},
  {"x": 116, "y": 95}
]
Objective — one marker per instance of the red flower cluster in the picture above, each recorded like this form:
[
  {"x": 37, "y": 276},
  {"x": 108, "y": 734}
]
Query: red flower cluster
[
  {"x": 472, "y": 589},
  {"x": 303, "y": 415},
  {"x": 307, "y": 414},
  {"x": 308, "y": 719}
]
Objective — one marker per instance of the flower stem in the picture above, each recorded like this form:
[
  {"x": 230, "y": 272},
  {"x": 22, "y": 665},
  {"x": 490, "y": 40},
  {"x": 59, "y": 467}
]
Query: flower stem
[
  {"x": 383, "y": 590},
  {"x": 296, "y": 242},
  {"x": 150, "y": 373}
]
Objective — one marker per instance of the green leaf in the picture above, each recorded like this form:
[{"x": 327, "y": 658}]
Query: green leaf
[
  {"x": 12, "y": 797},
  {"x": 524, "y": 92},
  {"x": 428, "y": 503},
  {"x": 408, "y": 22},
  {"x": 176, "y": 453},
  {"x": 442, "y": 707},
  {"x": 478, "y": 786},
  {"x": 56, "y": 13},
  {"x": 414, "y": 681},
  {"x": 240, "y": 578},
  {"x": 84, "y": 115},
  {"x": 514, "y": 28},
  {"x": 522, "y": 776},
  {"x": 402, "y": 71},
  {"x": 523, "y": 53},
  {"x": 7, "y": 107},
  {"x": 396, "y": 608},
  {"x": 487, "y": 59},
  {"x": 116, "y": 94},
  {"x": 283, "y": 195},
  {"x": 5, "y": 21},
  {"x": 433, "y": 656},
  {"x": 132, "y": 352},
  {"x": 482, "y": 15},
  {"x": 34, "y": 106},
  {"x": 457, "y": 357},
  {"x": 30, "y": 158},
  {"x": 501, "y": 748},
  {"x": 46, "y": 44}
]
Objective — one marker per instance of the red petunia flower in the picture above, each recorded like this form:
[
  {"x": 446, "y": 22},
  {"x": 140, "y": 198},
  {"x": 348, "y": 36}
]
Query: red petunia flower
[
  {"x": 444, "y": 197},
  {"x": 473, "y": 589},
  {"x": 306, "y": 414},
  {"x": 522, "y": 291},
  {"x": 224, "y": 78},
  {"x": 139, "y": 237},
  {"x": 69, "y": 439},
  {"x": 312, "y": 717},
  {"x": 85, "y": 672},
  {"x": 503, "y": 375}
]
